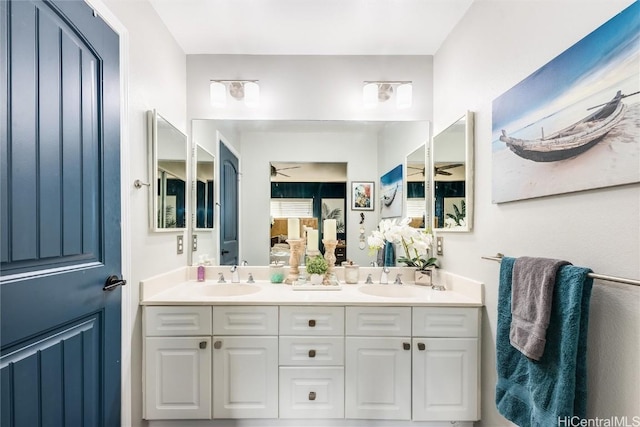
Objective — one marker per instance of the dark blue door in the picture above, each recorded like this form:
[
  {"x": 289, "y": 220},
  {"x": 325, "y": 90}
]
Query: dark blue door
[
  {"x": 59, "y": 216},
  {"x": 228, "y": 206}
]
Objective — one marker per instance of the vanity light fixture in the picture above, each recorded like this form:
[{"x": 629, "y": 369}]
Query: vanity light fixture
[
  {"x": 247, "y": 90},
  {"x": 375, "y": 92}
]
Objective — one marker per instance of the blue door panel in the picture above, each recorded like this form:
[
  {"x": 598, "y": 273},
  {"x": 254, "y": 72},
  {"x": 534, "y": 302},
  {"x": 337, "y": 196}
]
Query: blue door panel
[
  {"x": 53, "y": 380},
  {"x": 229, "y": 207},
  {"x": 54, "y": 213}
]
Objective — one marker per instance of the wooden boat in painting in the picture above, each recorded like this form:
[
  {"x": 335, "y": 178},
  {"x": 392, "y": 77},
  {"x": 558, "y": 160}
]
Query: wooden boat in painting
[{"x": 572, "y": 140}]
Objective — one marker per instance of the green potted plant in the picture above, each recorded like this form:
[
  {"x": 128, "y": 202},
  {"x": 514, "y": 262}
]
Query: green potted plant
[{"x": 316, "y": 268}]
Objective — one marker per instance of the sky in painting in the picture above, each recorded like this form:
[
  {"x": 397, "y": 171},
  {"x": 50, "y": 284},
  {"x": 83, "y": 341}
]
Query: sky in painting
[{"x": 596, "y": 64}]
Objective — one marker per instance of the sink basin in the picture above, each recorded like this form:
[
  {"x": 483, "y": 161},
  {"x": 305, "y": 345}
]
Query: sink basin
[
  {"x": 390, "y": 291},
  {"x": 222, "y": 290}
]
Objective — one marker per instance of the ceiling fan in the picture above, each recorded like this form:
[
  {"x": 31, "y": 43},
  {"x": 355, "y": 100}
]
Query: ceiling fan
[
  {"x": 276, "y": 171},
  {"x": 441, "y": 170},
  {"x": 420, "y": 170}
]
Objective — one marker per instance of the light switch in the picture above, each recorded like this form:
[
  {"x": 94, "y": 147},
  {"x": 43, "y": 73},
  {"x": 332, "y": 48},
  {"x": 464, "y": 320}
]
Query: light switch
[
  {"x": 439, "y": 245},
  {"x": 194, "y": 242},
  {"x": 180, "y": 245}
]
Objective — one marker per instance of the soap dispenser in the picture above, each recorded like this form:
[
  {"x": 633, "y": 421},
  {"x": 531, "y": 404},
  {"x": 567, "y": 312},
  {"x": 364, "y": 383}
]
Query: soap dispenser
[{"x": 201, "y": 270}]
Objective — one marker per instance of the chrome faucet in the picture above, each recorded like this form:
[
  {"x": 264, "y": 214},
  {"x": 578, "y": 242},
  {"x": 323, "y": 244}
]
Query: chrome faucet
[
  {"x": 368, "y": 281},
  {"x": 250, "y": 278},
  {"x": 384, "y": 277},
  {"x": 244, "y": 263},
  {"x": 398, "y": 281},
  {"x": 373, "y": 264},
  {"x": 221, "y": 278},
  {"x": 235, "y": 274}
]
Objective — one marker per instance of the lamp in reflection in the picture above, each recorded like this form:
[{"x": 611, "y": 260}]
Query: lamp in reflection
[
  {"x": 375, "y": 92},
  {"x": 241, "y": 90}
]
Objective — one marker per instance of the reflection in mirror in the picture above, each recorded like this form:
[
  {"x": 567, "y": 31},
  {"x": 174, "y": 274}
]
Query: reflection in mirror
[
  {"x": 204, "y": 185},
  {"x": 311, "y": 192},
  {"x": 452, "y": 170},
  {"x": 416, "y": 200},
  {"x": 168, "y": 147}
]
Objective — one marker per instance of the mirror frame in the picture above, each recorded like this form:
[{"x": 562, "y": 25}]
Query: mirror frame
[
  {"x": 469, "y": 174},
  {"x": 152, "y": 121}
]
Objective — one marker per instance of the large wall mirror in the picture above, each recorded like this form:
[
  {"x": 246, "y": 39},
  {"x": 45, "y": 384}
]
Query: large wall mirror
[
  {"x": 168, "y": 171},
  {"x": 417, "y": 174},
  {"x": 275, "y": 154},
  {"x": 203, "y": 197},
  {"x": 452, "y": 176}
]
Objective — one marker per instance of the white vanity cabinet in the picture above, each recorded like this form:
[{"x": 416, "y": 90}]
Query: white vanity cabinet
[
  {"x": 340, "y": 362},
  {"x": 245, "y": 362},
  {"x": 177, "y": 363},
  {"x": 378, "y": 363},
  {"x": 311, "y": 362},
  {"x": 446, "y": 378}
]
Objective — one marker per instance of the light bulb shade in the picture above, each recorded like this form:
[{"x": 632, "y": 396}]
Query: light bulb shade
[
  {"x": 370, "y": 95},
  {"x": 251, "y": 94},
  {"x": 404, "y": 96},
  {"x": 218, "y": 94}
]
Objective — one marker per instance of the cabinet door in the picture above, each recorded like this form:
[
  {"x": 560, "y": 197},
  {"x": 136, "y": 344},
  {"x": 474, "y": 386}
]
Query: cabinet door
[
  {"x": 378, "y": 378},
  {"x": 445, "y": 379},
  {"x": 177, "y": 378},
  {"x": 245, "y": 372}
]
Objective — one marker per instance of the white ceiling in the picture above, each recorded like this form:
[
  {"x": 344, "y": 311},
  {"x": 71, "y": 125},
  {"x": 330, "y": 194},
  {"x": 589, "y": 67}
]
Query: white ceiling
[{"x": 311, "y": 27}]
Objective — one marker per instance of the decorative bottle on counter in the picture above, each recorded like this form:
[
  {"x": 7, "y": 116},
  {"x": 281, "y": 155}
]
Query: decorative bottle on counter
[{"x": 201, "y": 270}]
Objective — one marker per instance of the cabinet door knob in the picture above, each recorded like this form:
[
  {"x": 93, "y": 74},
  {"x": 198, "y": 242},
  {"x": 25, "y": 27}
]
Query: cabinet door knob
[
  {"x": 217, "y": 345},
  {"x": 203, "y": 345},
  {"x": 406, "y": 346},
  {"x": 312, "y": 323},
  {"x": 312, "y": 395},
  {"x": 312, "y": 353},
  {"x": 421, "y": 346}
]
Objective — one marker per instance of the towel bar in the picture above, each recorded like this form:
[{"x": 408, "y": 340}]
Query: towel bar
[{"x": 633, "y": 282}]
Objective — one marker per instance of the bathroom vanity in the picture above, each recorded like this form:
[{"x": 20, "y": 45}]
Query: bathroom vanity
[{"x": 269, "y": 354}]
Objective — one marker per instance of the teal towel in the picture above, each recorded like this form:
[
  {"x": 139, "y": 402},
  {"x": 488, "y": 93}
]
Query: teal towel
[{"x": 536, "y": 393}]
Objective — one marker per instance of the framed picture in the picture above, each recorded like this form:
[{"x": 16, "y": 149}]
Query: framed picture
[
  {"x": 334, "y": 209},
  {"x": 391, "y": 193},
  {"x": 362, "y": 196},
  {"x": 573, "y": 124}
]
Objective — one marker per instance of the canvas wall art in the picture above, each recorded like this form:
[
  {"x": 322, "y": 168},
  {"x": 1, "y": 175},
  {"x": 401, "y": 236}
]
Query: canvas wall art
[
  {"x": 574, "y": 124},
  {"x": 362, "y": 196},
  {"x": 391, "y": 193}
]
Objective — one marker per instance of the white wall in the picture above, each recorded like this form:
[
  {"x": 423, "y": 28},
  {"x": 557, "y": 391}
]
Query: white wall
[
  {"x": 497, "y": 44},
  {"x": 157, "y": 79}
]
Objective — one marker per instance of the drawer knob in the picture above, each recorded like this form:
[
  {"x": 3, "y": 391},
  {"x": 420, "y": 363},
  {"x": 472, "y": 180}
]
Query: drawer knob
[
  {"x": 217, "y": 345},
  {"x": 406, "y": 346},
  {"x": 421, "y": 346},
  {"x": 312, "y": 353},
  {"x": 203, "y": 345},
  {"x": 312, "y": 395},
  {"x": 312, "y": 323}
]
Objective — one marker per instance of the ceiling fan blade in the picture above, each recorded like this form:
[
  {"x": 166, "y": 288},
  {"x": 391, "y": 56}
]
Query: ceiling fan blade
[
  {"x": 451, "y": 166},
  {"x": 443, "y": 173},
  {"x": 284, "y": 174},
  {"x": 292, "y": 167}
]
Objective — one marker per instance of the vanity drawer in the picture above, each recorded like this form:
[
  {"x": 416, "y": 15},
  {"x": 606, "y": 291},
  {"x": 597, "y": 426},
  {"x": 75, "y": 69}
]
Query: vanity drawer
[
  {"x": 309, "y": 320},
  {"x": 177, "y": 321},
  {"x": 245, "y": 320},
  {"x": 379, "y": 321},
  {"x": 312, "y": 392},
  {"x": 452, "y": 322},
  {"x": 311, "y": 351}
]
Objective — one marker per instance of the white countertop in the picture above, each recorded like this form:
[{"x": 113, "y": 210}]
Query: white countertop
[{"x": 179, "y": 288}]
